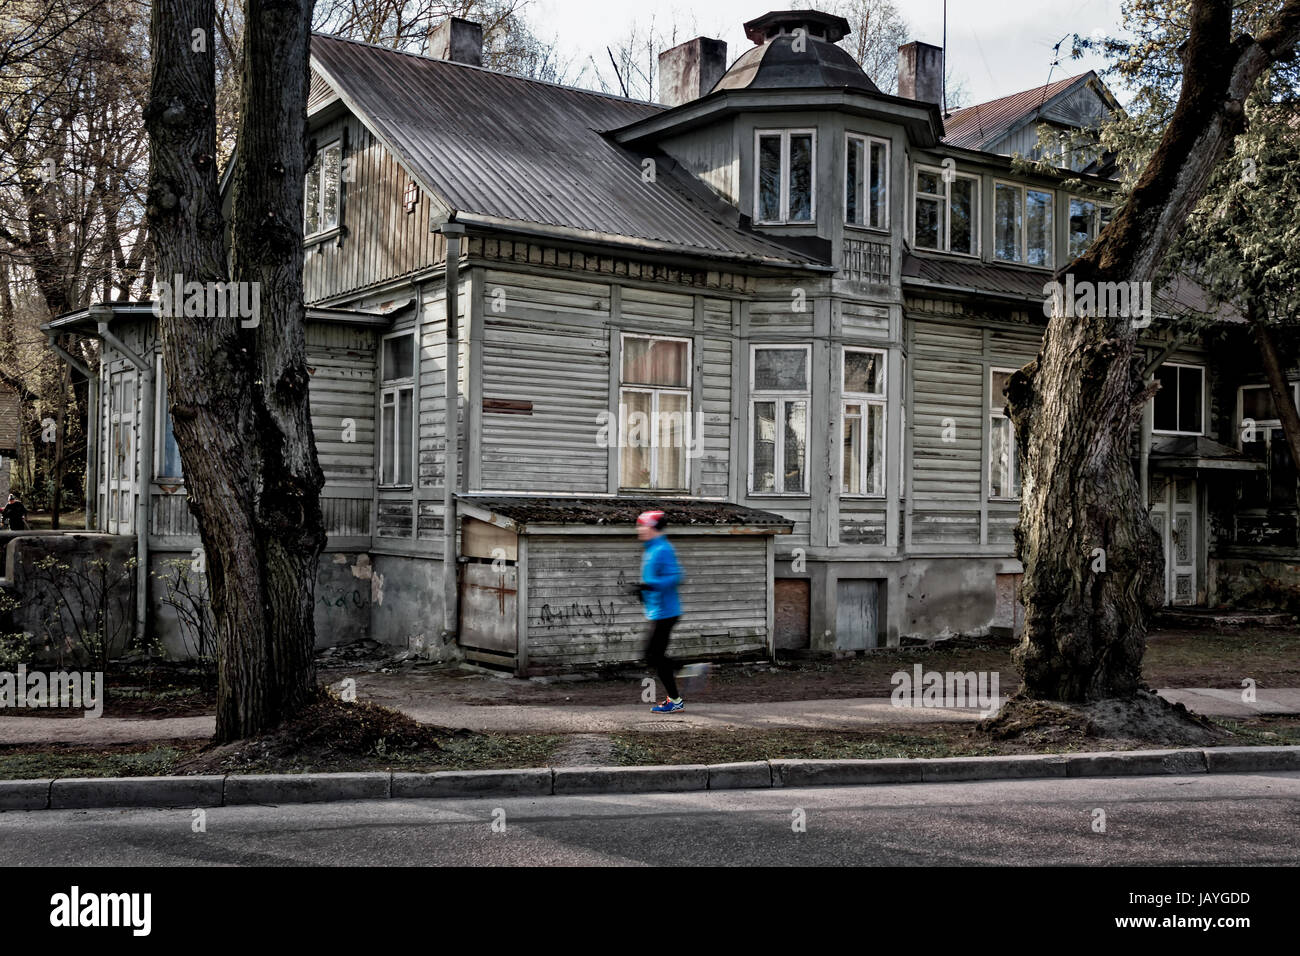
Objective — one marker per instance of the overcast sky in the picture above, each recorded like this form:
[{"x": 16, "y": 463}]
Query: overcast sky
[{"x": 995, "y": 47}]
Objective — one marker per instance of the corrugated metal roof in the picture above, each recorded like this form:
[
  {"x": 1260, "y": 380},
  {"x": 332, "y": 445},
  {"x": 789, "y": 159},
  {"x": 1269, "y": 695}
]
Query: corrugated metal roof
[
  {"x": 975, "y": 127},
  {"x": 564, "y": 510},
  {"x": 509, "y": 148}
]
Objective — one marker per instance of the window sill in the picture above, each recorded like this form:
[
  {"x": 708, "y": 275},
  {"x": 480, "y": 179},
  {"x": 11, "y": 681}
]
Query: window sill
[
  {"x": 779, "y": 494},
  {"x": 873, "y": 231},
  {"x": 1200, "y": 434},
  {"x": 407, "y": 487},
  {"x": 1005, "y": 501},
  {"x": 338, "y": 232},
  {"x": 972, "y": 256}
]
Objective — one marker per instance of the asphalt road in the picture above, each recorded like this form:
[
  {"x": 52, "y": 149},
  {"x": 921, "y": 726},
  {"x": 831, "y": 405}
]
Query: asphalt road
[{"x": 1196, "y": 820}]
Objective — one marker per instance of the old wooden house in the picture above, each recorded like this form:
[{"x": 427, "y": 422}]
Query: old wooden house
[{"x": 781, "y": 305}]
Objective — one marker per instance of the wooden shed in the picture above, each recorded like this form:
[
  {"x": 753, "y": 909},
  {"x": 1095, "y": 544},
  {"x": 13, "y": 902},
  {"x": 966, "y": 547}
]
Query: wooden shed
[{"x": 547, "y": 583}]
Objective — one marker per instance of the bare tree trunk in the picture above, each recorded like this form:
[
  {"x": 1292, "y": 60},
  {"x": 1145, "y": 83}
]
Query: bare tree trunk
[
  {"x": 1091, "y": 556},
  {"x": 1276, "y": 376}
]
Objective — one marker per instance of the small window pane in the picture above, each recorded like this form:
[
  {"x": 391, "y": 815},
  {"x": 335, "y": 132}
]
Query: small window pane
[
  {"x": 929, "y": 220},
  {"x": 769, "y": 178},
  {"x": 387, "y": 418},
  {"x": 1007, "y": 223},
  {"x": 784, "y": 370},
  {"x": 864, "y": 372},
  {"x": 1002, "y": 459},
  {"x": 928, "y": 182},
  {"x": 399, "y": 357},
  {"x": 852, "y": 478},
  {"x": 962, "y": 217},
  {"x": 879, "y": 185},
  {"x": 634, "y": 456},
  {"x": 1082, "y": 214},
  {"x": 1165, "y": 416},
  {"x": 404, "y": 421},
  {"x": 311, "y": 199},
  {"x": 329, "y": 217},
  {"x": 875, "y": 450},
  {"x": 795, "y": 440},
  {"x": 764, "y": 446},
  {"x": 1189, "y": 400},
  {"x": 801, "y": 177},
  {"x": 1257, "y": 405},
  {"x": 854, "y": 206},
  {"x": 673, "y": 424},
  {"x": 1039, "y": 227},
  {"x": 655, "y": 362},
  {"x": 997, "y": 398}
]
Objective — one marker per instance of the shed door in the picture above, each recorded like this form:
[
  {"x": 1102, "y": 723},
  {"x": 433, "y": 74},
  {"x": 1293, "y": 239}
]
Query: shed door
[
  {"x": 489, "y": 607},
  {"x": 856, "y": 614},
  {"x": 791, "y": 617}
]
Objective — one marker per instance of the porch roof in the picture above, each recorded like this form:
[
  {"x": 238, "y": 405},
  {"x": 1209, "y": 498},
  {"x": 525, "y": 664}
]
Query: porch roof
[
  {"x": 1196, "y": 451},
  {"x": 609, "y": 514}
]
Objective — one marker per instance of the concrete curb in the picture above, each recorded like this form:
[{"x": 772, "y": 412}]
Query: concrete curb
[{"x": 234, "y": 789}]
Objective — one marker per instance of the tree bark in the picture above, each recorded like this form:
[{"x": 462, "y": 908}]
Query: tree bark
[
  {"x": 1275, "y": 375},
  {"x": 238, "y": 395},
  {"x": 1092, "y": 560}
]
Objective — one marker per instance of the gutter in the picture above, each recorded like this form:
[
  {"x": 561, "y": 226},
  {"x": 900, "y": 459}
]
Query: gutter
[
  {"x": 92, "y": 429},
  {"x": 103, "y": 315},
  {"x": 452, "y": 231}
]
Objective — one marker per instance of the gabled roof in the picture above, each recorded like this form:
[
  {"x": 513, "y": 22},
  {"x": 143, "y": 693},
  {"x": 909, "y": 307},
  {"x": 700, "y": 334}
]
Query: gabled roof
[
  {"x": 500, "y": 150},
  {"x": 979, "y": 126}
]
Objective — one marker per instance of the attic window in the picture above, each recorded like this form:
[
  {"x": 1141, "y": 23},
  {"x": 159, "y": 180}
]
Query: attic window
[
  {"x": 412, "y": 196},
  {"x": 321, "y": 191}
]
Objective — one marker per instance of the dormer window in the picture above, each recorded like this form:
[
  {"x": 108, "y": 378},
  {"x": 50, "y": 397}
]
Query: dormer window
[
  {"x": 321, "y": 192},
  {"x": 784, "y": 162},
  {"x": 866, "y": 187}
]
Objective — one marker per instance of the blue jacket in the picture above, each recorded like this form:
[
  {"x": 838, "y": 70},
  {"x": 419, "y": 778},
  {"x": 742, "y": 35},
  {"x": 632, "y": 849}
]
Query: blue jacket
[{"x": 661, "y": 574}]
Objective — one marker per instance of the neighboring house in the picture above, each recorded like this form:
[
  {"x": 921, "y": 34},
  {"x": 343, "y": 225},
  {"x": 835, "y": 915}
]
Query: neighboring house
[
  {"x": 812, "y": 291},
  {"x": 11, "y": 425}
]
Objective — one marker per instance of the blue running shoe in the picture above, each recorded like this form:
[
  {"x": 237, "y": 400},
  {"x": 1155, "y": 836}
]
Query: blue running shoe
[{"x": 669, "y": 706}]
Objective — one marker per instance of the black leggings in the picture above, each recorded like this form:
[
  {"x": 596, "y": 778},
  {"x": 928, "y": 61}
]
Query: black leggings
[{"x": 657, "y": 656}]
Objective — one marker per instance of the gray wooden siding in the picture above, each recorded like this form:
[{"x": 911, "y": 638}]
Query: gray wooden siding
[
  {"x": 380, "y": 240},
  {"x": 587, "y": 618},
  {"x": 712, "y": 156}
]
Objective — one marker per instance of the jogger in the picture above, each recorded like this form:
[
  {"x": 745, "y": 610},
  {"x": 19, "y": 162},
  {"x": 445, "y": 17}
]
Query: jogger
[{"x": 660, "y": 575}]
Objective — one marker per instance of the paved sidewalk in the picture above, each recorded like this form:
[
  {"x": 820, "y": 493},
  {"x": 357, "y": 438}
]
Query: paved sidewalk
[{"x": 850, "y": 714}]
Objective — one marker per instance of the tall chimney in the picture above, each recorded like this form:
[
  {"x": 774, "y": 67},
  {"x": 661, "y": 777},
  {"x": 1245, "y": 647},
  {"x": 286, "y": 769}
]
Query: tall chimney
[
  {"x": 920, "y": 72},
  {"x": 460, "y": 41},
  {"x": 691, "y": 70}
]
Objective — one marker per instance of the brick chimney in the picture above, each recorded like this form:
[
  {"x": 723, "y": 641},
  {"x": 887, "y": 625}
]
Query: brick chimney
[
  {"x": 690, "y": 70},
  {"x": 920, "y": 72},
  {"x": 460, "y": 41}
]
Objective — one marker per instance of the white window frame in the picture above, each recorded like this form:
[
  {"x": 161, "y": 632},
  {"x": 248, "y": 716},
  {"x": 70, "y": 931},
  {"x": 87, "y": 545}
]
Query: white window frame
[
  {"x": 1001, "y": 414},
  {"x": 865, "y": 399},
  {"x": 1025, "y": 188},
  {"x": 654, "y": 391},
  {"x": 392, "y": 389},
  {"x": 945, "y": 230},
  {"x": 779, "y": 397},
  {"x": 161, "y": 415},
  {"x": 320, "y": 190},
  {"x": 1098, "y": 205},
  {"x": 868, "y": 142},
  {"x": 1261, "y": 422},
  {"x": 785, "y": 135},
  {"x": 1161, "y": 431}
]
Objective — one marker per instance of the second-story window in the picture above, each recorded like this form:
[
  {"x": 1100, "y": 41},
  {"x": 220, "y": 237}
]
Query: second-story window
[
  {"x": 1178, "y": 404},
  {"x": 778, "y": 408},
  {"x": 1022, "y": 224},
  {"x": 1004, "y": 465},
  {"x": 321, "y": 192},
  {"x": 863, "y": 466},
  {"x": 946, "y": 211},
  {"x": 1087, "y": 219},
  {"x": 783, "y": 184},
  {"x": 866, "y": 188},
  {"x": 654, "y": 413},
  {"x": 396, "y": 408}
]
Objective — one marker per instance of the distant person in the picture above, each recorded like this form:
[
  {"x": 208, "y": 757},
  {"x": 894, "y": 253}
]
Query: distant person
[
  {"x": 15, "y": 515},
  {"x": 660, "y": 576}
]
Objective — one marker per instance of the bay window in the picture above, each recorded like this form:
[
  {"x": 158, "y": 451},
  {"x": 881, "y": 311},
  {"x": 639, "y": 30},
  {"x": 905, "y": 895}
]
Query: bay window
[
  {"x": 946, "y": 211},
  {"x": 785, "y": 164},
  {"x": 863, "y": 446},
  {"x": 779, "y": 400},
  {"x": 866, "y": 188}
]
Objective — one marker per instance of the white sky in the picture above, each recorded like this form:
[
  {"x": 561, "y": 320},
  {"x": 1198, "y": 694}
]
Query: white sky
[{"x": 995, "y": 47}]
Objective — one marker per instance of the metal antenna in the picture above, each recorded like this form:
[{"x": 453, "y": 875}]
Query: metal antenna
[{"x": 944, "y": 69}]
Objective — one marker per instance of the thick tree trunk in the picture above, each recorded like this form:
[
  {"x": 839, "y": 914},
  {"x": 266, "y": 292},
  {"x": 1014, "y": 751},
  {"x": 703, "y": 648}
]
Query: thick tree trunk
[
  {"x": 267, "y": 250},
  {"x": 238, "y": 394},
  {"x": 1091, "y": 556}
]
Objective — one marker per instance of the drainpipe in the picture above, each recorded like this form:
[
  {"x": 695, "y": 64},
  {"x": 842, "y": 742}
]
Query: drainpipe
[
  {"x": 451, "y": 479},
  {"x": 92, "y": 426},
  {"x": 103, "y": 315}
]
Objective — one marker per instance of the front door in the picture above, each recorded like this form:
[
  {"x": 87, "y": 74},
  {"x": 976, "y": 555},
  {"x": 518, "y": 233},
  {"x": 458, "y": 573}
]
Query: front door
[
  {"x": 1176, "y": 516},
  {"x": 117, "y": 474}
]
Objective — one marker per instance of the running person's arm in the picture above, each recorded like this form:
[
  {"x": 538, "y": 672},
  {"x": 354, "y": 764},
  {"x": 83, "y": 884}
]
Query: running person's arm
[{"x": 663, "y": 572}]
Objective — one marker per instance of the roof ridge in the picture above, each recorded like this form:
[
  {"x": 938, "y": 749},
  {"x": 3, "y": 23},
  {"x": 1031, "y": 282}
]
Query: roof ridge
[
  {"x": 483, "y": 69},
  {"x": 1032, "y": 89}
]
